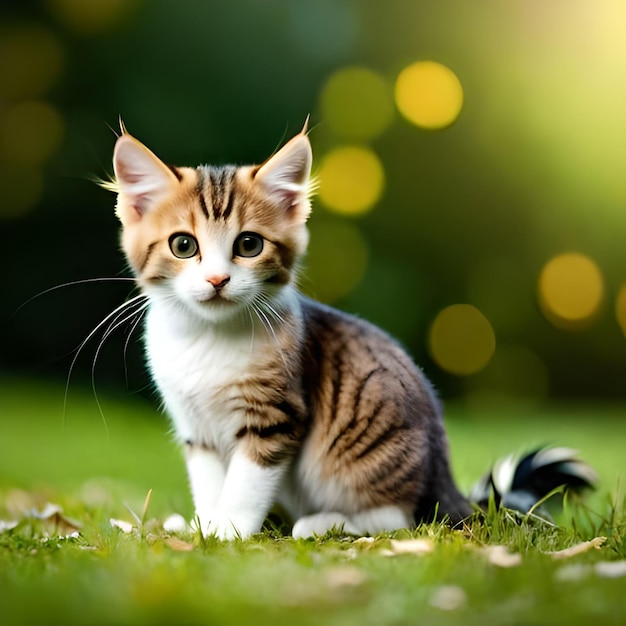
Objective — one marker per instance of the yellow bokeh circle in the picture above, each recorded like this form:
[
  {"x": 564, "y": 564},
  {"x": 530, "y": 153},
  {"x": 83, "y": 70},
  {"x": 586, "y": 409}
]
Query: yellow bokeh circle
[
  {"x": 620, "y": 308},
  {"x": 571, "y": 290},
  {"x": 461, "y": 340},
  {"x": 31, "y": 132},
  {"x": 32, "y": 59},
  {"x": 356, "y": 103},
  {"x": 351, "y": 180},
  {"x": 92, "y": 17},
  {"x": 429, "y": 94}
]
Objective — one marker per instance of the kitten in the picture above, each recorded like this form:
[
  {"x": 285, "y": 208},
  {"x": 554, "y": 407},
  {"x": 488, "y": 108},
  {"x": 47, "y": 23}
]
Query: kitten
[{"x": 278, "y": 399}]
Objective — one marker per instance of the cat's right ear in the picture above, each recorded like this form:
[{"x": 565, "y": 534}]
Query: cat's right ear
[{"x": 142, "y": 180}]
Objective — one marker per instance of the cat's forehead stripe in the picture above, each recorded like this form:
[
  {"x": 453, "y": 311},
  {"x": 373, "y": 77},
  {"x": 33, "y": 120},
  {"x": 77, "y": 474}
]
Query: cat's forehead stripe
[{"x": 216, "y": 191}]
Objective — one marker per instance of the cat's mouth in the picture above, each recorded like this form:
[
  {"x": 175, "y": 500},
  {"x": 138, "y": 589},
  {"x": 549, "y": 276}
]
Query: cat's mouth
[{"x": 214, "y": 299}]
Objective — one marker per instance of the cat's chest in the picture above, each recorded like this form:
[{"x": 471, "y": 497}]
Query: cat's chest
[{"x": 197, "y": 372}]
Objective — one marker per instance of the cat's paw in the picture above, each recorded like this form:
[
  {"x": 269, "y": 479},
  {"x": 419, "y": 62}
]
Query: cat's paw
[
  {"x": 320, "y": 523},
  {"x": 229, "y": 528}
]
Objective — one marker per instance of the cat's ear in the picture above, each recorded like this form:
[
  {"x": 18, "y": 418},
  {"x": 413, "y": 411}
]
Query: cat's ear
[
  {"x": 142, "y": 180},
  {"x": 286, "y": 176}
]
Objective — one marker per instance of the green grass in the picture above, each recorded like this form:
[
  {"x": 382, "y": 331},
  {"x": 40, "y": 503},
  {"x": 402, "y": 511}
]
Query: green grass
[{"x": 104, "y": 576}]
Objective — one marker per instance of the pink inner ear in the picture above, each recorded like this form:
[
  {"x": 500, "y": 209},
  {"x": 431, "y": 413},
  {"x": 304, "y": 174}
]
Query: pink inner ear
[{"x": 140, "y": 204}]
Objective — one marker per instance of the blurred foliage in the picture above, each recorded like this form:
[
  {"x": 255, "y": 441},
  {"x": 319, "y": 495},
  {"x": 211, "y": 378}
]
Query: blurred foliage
[{"x": 469, "y": 154}]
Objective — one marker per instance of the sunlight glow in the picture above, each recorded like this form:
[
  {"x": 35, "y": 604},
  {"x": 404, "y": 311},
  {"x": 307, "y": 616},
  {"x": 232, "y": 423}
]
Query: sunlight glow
[
  {"x": 30, "y": 132},
  {"x": 356, "y": 103},
  {"x": 351, "y": 180},
  {"x": 461, "y": 339},
  {"x": 93, "y": 17},
  {"x": 429, "y": 94},
  {"x": 31, "y": 58},
  {"x": 571, "y": 290}
]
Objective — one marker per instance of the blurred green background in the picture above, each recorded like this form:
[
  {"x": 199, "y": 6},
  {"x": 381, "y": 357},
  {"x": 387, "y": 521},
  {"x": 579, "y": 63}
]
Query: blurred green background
[{"x": 470, "y": 158}]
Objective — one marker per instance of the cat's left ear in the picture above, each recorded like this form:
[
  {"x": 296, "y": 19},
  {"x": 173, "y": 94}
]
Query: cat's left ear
[{"x": 286, "y": 176}]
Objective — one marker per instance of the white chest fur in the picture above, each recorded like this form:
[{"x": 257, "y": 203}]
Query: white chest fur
[{"x": 194, "y": 365}]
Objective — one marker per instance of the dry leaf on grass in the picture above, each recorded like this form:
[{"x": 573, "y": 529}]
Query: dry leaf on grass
[
  {"x": 363, "y": 540},
  {"x": 412, "y": 546},
  {"x": 178, "y": 544},
  {"x": 55, "y": 523},
  {"x": 7, "y": 525},
  {"x": 579, "y": 548},
  {"x": 345, "y": 576},
  {"x": 448, "y": 598},
  {"x": 610, "y": 569},
  {"x": 125, "y": 527},
  {"x": 501, "y": 557},
  {"x": 573, "y": 572},
  {"x": 602, "y": 569}
]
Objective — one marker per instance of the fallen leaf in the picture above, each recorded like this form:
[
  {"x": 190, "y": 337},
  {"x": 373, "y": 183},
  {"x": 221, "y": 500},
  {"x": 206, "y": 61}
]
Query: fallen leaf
[
  {"x": 579, "y": 548},
  {"x": 56, "y": 524},
  {"x": 125, "y": 527},
  {"x": 345, "y": 577},
  {"x": 501, "y": 557},
  {"x": 7, "y": 525},
  {"x": 448, "y": 598},
  {"x": 412, "y": 546},
  {"x": 573, "y": 572},
  {"x": 361, "y": 540},
  {"x": 610, "y": 569},
  {"x": 178, "y": 544}
]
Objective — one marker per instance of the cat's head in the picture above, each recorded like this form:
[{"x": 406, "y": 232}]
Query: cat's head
[{"x": 216, "y": 240}]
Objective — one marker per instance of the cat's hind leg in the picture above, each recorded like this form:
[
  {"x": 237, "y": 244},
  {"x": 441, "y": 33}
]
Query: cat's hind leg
[{"x": 368, "y": 522}]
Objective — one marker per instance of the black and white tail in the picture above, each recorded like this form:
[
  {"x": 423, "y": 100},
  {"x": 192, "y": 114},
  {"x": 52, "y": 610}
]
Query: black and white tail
[{"x": 520, "y": 483}]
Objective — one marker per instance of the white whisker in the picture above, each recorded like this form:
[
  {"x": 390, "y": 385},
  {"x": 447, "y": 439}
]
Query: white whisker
[
  {"x": 264, "y": 300},
  {"x": 121, "y": 318},
  {"x": 140, "y": 315},
  {"x": 112, "y": 318},
  {"x": 71, "y": 284},
  {"x": 265, "y": 320},
  {"x": 248, "y": 310}
]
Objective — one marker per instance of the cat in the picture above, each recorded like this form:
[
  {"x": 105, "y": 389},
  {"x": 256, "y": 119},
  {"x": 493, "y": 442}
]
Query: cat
[{"x": 277, "y": 399}]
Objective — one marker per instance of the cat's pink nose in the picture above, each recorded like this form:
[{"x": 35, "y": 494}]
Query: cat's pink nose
[{"x": 218, "y": 281}]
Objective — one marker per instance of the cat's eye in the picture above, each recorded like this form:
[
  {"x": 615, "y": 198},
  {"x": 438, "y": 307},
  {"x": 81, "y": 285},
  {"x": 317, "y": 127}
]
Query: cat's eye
[
  {"x": 183, "y": 246},
  {"x": 248, "y": 245}
]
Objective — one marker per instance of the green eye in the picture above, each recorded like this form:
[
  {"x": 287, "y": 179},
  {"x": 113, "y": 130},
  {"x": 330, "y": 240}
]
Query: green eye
[
  {"x": 248, "y": 245},
  {"x": 183, "y": 246}
]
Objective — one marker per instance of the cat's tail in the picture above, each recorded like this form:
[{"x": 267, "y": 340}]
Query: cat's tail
[{"x": 520, "y": 483}]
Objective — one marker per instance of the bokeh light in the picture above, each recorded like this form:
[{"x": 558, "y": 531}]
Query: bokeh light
[
  {"x": 22, "y": 187},
  {"x": 93, "y": 17},
  {"x": 30, "y": 132},
  {"x": 620, "y": 308},
  {"x": 356, "y": 103},
  {"x": 351, "y": 180},
  {"x": 571, "y": 290},
  {"x": 31, "y": 58},
  {"x": 429, "y": 94},
  {"x": 461, "y": 339},
  {"x": 336, "y": 259}
]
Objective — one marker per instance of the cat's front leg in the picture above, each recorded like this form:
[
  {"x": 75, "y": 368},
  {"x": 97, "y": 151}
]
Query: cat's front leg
[
  {"x": 250, "y": 489},
  {"x": 206, "y": 478}
]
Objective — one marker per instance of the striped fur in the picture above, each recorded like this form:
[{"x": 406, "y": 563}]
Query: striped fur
[{"x": 279, "y": 398}]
